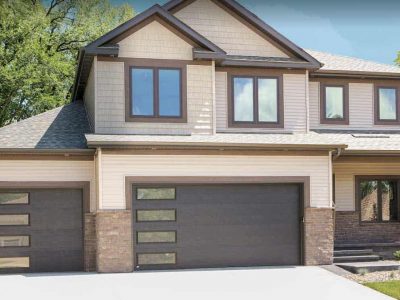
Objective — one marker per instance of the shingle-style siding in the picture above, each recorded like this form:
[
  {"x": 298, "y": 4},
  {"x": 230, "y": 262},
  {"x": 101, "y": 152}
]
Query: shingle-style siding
[
  {"x": 295, "y": 107},
  {"x": 361, "y": 108},
  {"x": 155, "y": 41},
  {"x": 111, "y": 103},
  {"x": 89, "y": 96},
  {"x": 224, "y": 30},
  {"x": 116, "y": 167},
  {"x": 58, "y": 171},
  {"x": 345, "y": 173}
]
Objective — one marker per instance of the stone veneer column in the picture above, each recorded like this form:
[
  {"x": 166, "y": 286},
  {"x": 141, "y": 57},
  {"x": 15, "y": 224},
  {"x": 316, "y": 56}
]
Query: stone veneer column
[
  {"x": 90, "y": 243},
  {"x": 114, "y": 241},
  {"x": 318, "y": 236}
]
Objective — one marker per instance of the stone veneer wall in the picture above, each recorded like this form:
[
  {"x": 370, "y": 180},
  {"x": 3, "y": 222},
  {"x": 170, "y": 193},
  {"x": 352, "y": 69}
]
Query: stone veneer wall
[
  {"x": 90, "y": 242},
  {"x": 114, "y": 241},
  {"x": 318, "y": 236},
  {"x": 349, "y": 230}
]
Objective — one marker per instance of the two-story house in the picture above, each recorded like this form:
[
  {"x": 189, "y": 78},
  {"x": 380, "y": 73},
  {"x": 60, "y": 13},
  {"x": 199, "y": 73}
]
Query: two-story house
[{"x": 200, "y": 137}]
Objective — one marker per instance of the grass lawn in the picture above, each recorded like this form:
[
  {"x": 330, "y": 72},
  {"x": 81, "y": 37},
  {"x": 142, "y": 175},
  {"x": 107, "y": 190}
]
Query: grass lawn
[{"x": 390, "y": 288}]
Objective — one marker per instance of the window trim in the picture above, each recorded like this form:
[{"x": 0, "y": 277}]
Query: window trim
[
  {"x": 156, "y": 65},
  {"x": 341, "y": 121},
  {"x": 377, "y": 119},
  {"x": 255, "y": 124},
  {"x": 358, "y": 180}
]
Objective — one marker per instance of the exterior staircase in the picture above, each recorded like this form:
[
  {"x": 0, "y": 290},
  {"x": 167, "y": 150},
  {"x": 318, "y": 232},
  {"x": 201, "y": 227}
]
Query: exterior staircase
[
  {"x": 362, "y": 260},
  {"x": 346, "y": 255}
]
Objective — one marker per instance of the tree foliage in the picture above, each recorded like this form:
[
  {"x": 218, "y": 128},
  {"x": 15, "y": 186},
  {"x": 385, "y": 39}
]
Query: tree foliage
[{"x": 39, "y": 44}]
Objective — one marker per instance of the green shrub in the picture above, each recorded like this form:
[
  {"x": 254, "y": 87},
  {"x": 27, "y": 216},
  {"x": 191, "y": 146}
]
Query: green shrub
[{"x": 397, "y": 255}]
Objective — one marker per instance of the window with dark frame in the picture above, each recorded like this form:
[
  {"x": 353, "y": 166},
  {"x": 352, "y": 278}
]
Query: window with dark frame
[
  {"x": 379, "y": 200},
  {"x": 156, "y": 94},
  {"x": 256, "y": 101},
  {"x": 387, "y": 105},
  {"x": 334, "y": 104}
]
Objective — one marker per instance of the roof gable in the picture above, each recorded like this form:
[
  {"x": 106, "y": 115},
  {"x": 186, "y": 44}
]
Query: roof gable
[
  {"x": 254, "y": 22},
  {"x": 122, "y": 31}
]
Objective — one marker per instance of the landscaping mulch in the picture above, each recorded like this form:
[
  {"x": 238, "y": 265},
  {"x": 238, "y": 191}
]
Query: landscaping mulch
[{"x": 375, "y": 276}]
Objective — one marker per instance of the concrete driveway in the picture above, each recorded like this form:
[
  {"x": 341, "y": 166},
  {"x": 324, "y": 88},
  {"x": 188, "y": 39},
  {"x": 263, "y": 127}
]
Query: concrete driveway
[{"x": 260, "y": 283}]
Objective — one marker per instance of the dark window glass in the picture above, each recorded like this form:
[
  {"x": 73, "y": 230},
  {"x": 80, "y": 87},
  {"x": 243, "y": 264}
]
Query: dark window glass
[
  {"x": 390, "y": 209},
  {"x": 379, "y": 201},
  {"x": 169, "y": 93},
  {"x": 268, "y": 100},
  {"x": 143, "y": 92},
  {"x": 334, "y": 102},
  {"x": 243, "y": 91},
  {"x": 369, "y": 200},
  {"x": 387, "y": 104}
]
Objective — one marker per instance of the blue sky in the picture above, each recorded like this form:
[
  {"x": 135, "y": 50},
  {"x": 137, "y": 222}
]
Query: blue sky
[{"x": 368, "y": 29}]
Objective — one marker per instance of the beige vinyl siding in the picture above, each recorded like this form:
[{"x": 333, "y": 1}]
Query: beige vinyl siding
[
  {"x": 295, "y": 106},
  {"x": 37, "y": 170},
  {"x": 226, "y": 31},
  {"x": 345, "y": 173},
  {"x": 90, "y": 95},
  {"x": 111, "y": 103},
  {"x": 361, "y": 108},
  {"x": 116, "y": 167},
  {"x": 155, "y": 41}
]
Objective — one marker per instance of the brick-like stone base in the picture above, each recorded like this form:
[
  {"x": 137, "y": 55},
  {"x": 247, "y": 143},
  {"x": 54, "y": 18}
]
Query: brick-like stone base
[
  {"x": 318, "y": 236},
  {"x": 90, "y": 242},
  {"x": 349, "y": 230},
  {"x": 114, "y": 241}
]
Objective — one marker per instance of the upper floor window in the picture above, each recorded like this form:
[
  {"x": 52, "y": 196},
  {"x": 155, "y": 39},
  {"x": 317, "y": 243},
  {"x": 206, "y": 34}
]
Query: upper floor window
[
  {"x": 386, "y": 106},
  {"x": 334, "y": 104},
  {"x": 256, "y": 102},
  {"x": 156, "y": 94}
]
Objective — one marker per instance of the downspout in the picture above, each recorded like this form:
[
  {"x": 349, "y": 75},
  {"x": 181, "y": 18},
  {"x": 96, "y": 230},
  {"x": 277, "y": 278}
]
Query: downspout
[
  {"x": 307, "y": 102},
  {"x": 99, "y": 179},
  {"x": 337, "y": 153}
]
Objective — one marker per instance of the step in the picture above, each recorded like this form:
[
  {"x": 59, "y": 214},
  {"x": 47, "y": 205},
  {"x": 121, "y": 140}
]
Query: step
[
  {"x": 358, "y": 258},
  {"x": 369, "y": 267},
  {"x": 353, "y": 252}
]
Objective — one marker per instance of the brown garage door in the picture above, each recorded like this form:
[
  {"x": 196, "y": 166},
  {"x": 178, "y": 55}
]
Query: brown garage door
[
  {"x": 203, "y": 226},
  {"x": 41, "y": 230}
]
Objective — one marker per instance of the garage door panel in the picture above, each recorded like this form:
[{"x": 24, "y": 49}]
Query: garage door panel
[
  {"x": 228, "y": 225},
  {"x": 55, "y": 231}
]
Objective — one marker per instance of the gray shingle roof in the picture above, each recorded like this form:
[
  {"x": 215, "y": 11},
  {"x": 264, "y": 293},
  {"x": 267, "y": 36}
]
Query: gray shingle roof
[
  {"x": 357, "y": 141},
  {"x": 61, "y": 128},
  {"x": 360, "y": 141},
  {"x": 333, "y": 62},
  {"x": 229, "y": 140}
]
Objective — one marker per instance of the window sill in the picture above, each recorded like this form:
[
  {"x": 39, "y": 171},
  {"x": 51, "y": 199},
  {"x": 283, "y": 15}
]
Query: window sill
[{"x": 155, "y": 119}]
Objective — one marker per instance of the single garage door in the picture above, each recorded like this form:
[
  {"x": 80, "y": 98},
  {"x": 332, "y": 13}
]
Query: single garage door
[
  {"x": 41, "y": 230},
  {"x": 211, "y": 226}
]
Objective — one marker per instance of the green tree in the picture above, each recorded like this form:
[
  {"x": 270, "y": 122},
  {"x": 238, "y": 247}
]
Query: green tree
[{"x": 39, "y": 44}]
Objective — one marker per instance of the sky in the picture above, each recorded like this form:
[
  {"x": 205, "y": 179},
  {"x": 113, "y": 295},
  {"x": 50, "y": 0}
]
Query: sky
[{"x": 368, "y": 29}]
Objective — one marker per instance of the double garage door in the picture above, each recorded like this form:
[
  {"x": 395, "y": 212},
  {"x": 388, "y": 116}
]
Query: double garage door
[
  {"x": 41, "y": 230},
  {"x": 212, "y": 226}
]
